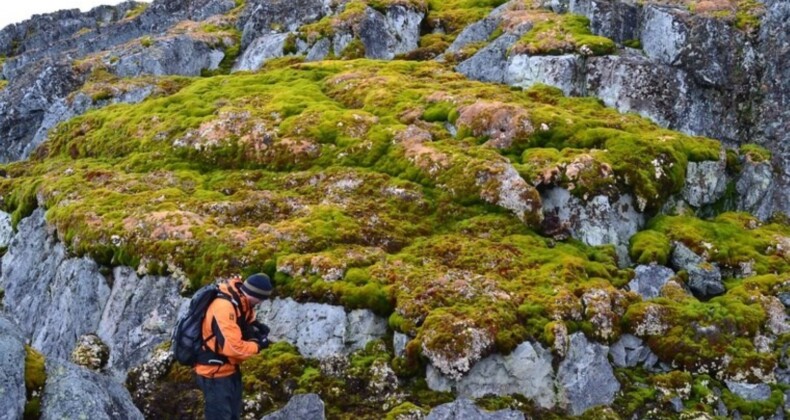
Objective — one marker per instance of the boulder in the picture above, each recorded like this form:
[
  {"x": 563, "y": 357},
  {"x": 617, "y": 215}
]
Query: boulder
[
  {"x": 74, "y": 392},
  {"x": 304, "y": 407},
  {"x": 705, "y": 181},
  {"x": 585, "y": 377},
  {"x": 526, "y": 371},
  {"x": 614, "y": 19},
  {"x": 756, "y": 188},
  {"x": 481, "y": 30},
  {"x": 598, "y": 221},
  {"x": 466, "y": 409},
  {"x": 565, "y": 72},
  {"x": 631, "y": 351},
  {"x": 489, "y": 64},
  {"x": 704, "y": 279},
  {"x": 12, "y": 371},
  {"x": 139, "y": 316},
  {"x": 649, "y": 280},
  {"x": 399, "y": 342},
  {"x": 749, "y": 392},
  {"x": 320, "y": 330},
  {"x": 385, "y": 35},
  {"x": 261, "y": 50}
]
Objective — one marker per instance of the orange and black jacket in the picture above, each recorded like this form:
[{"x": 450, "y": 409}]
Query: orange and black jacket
[{"x": 222, "y": 333}]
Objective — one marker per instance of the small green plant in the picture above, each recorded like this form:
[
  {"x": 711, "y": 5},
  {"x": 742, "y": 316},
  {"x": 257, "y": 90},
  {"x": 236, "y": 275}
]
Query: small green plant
[
  {"x": 147, "y": 41},
  {"x": 136, "y": 11},
  {"x": 35, "y": 378}
]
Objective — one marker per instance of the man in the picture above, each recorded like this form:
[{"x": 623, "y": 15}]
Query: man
[{"x": 231, "y": 335}]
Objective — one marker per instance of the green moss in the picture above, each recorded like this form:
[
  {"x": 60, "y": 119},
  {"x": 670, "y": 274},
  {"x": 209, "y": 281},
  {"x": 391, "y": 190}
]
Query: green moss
[
  {"x": 3, "y": 83},
  {"x": 136, "y": 11},
  {"x": 562, "y": 34},
  {"x": 755, "y": 153},
  {"x": 633, "y": 43},
  {"x": 35, "y": 378},
  {"x": 650, "y": 246},
  {"x": 406, "y": 410},
  {"x": 147, "y": 41}
]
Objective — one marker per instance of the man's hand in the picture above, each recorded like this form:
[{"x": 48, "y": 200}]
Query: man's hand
[
  {"x": 262, "y": 342},
  {"x": 262, "y": 328}
]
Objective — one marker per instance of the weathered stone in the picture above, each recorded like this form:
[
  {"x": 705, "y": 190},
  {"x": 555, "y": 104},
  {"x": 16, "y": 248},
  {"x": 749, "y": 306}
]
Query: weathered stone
[
  {"x": 598, "y": 221},
  {"x": 306, "y": 406},
  {"x": 261, "y": 50},
  {"x": 6, "y": 230},
  {"x": 704, "y": 279},
  {"x": 616, "y": 20},
  {"x": 755, "y": 188},
  {"x": 55, "y": 298},
  {"x": 564, "y": 72},
  {"x": 319, "y": 50},
  {"x": 399, "y": 342},
  {"x": 143, "y": 379},
  {"x": 649, "y": 280},
  {"x": 74, "y": 392},
  {"x": 631, "y": 351},
  {"x": 181, "y": 55},
  {"x": 750, "y": 392},
  {"x": 139, "y": 315},
  {"x": 465, "y": 409},
  {"x": 526, "y": 371},
  {"x": 90, "y": 352},
  {"x": 705, "y": 181},
  {"x": 585, "y": 377},
  {"x": 262, "y": 17},
  {"x": 386, "y": 35},
  {"x": 12, "y": 371},
  {"x": 476, "y": 32},
  {"x": 488, "y": 64},
  {"x": 319, "y": 330}
]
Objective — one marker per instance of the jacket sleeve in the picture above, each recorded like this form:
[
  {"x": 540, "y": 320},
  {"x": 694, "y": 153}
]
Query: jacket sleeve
[{"x": 228, "y": 333}]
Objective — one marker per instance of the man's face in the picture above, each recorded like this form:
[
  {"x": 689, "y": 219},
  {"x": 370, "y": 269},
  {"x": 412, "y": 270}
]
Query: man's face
[{"x": 253, "y": 300}]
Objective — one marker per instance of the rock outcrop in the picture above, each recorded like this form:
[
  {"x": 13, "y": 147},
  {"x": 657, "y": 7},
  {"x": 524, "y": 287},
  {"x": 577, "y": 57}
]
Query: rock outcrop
[
  {"x": 526, "y": 371},
  {"x": 649, "y": 279},
  {"x": 585, "y": 377},
  {"x": 319, "y": 330},
  {"x": 598, "y": 221},
  {"x": 306, "y": 406},
  {"x": 704, "y": 278},
  {"x": 6, "y": 230},
  {"x": 74, "y": 392},
  {"x": 466, "y": 409},
  {"x": 12, "y": 371}
]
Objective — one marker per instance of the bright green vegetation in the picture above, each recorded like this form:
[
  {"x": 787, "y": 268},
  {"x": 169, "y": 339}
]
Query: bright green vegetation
[
  {"x": 136, "y": 11},
  {"x": 755, "y": 153},
  {"x": 562, "y": 34},
  {"x": 3, "y": 84},
  {"x": 35, "y": 378},
  {"x": 731, "y": 240},
  {"x": 743, "y": 14},
  {"x": 342, "y": 181}
]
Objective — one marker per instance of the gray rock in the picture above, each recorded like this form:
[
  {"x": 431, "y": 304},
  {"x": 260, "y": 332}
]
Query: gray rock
[
  {"x": 755, "y": 188},
  {"x": 649, "y": 280},
  {"x": 585, "y": 377},
  {"x": 526, "y": 371},
  {"x": 73, "y": 392},
  {"x": 704, "y": 279},
  {"x": 12, "y": 371},
  {"x": 631, "y": 351},
  {"x": 261, "y": 50},
  {"x": 476, "y": 32},
  {"x": 57, "y": 299},
  {"x": 6, "y": 230},
  {"x": 705, "y": 181},
  {"x": 565, "y": 72},
  {"x": 617, "y": 20},
  {"x": 465, "y": 409},
  {"x": 677, "y": 404},
  {"x": 180, "y": 55},
  {"x": 303, "y": 407},
  {"x": 386, "y": 35},
  {"x": 784, "y": 297},
  {"x": 320, "y": 330},
  {"x": 595, "y": 222},
  {"x": 139, "y": 315},
  {"x": 319, "y": 50},
  {"x": 399, "y": 342},
  {"x": 750, "y": 392},
  {"x": 663, "y": 34},
  {"x": 488, "y": 64},
  {"x": 262, "y": 17}
]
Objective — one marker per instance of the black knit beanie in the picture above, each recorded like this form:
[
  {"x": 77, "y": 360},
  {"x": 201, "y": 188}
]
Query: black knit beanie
[{"x": 258, "y": 285}]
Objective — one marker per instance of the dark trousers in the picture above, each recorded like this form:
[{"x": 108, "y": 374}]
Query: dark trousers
[{"x": 223, "y": 396}]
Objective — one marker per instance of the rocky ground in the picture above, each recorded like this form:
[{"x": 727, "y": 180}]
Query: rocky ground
[{"x": 470, "y": 209}]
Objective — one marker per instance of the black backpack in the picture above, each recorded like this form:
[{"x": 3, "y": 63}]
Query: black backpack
[{"x": 187, "y": 339}]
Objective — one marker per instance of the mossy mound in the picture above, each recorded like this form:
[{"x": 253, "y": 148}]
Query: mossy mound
[{"x": 554, "y": 34}]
